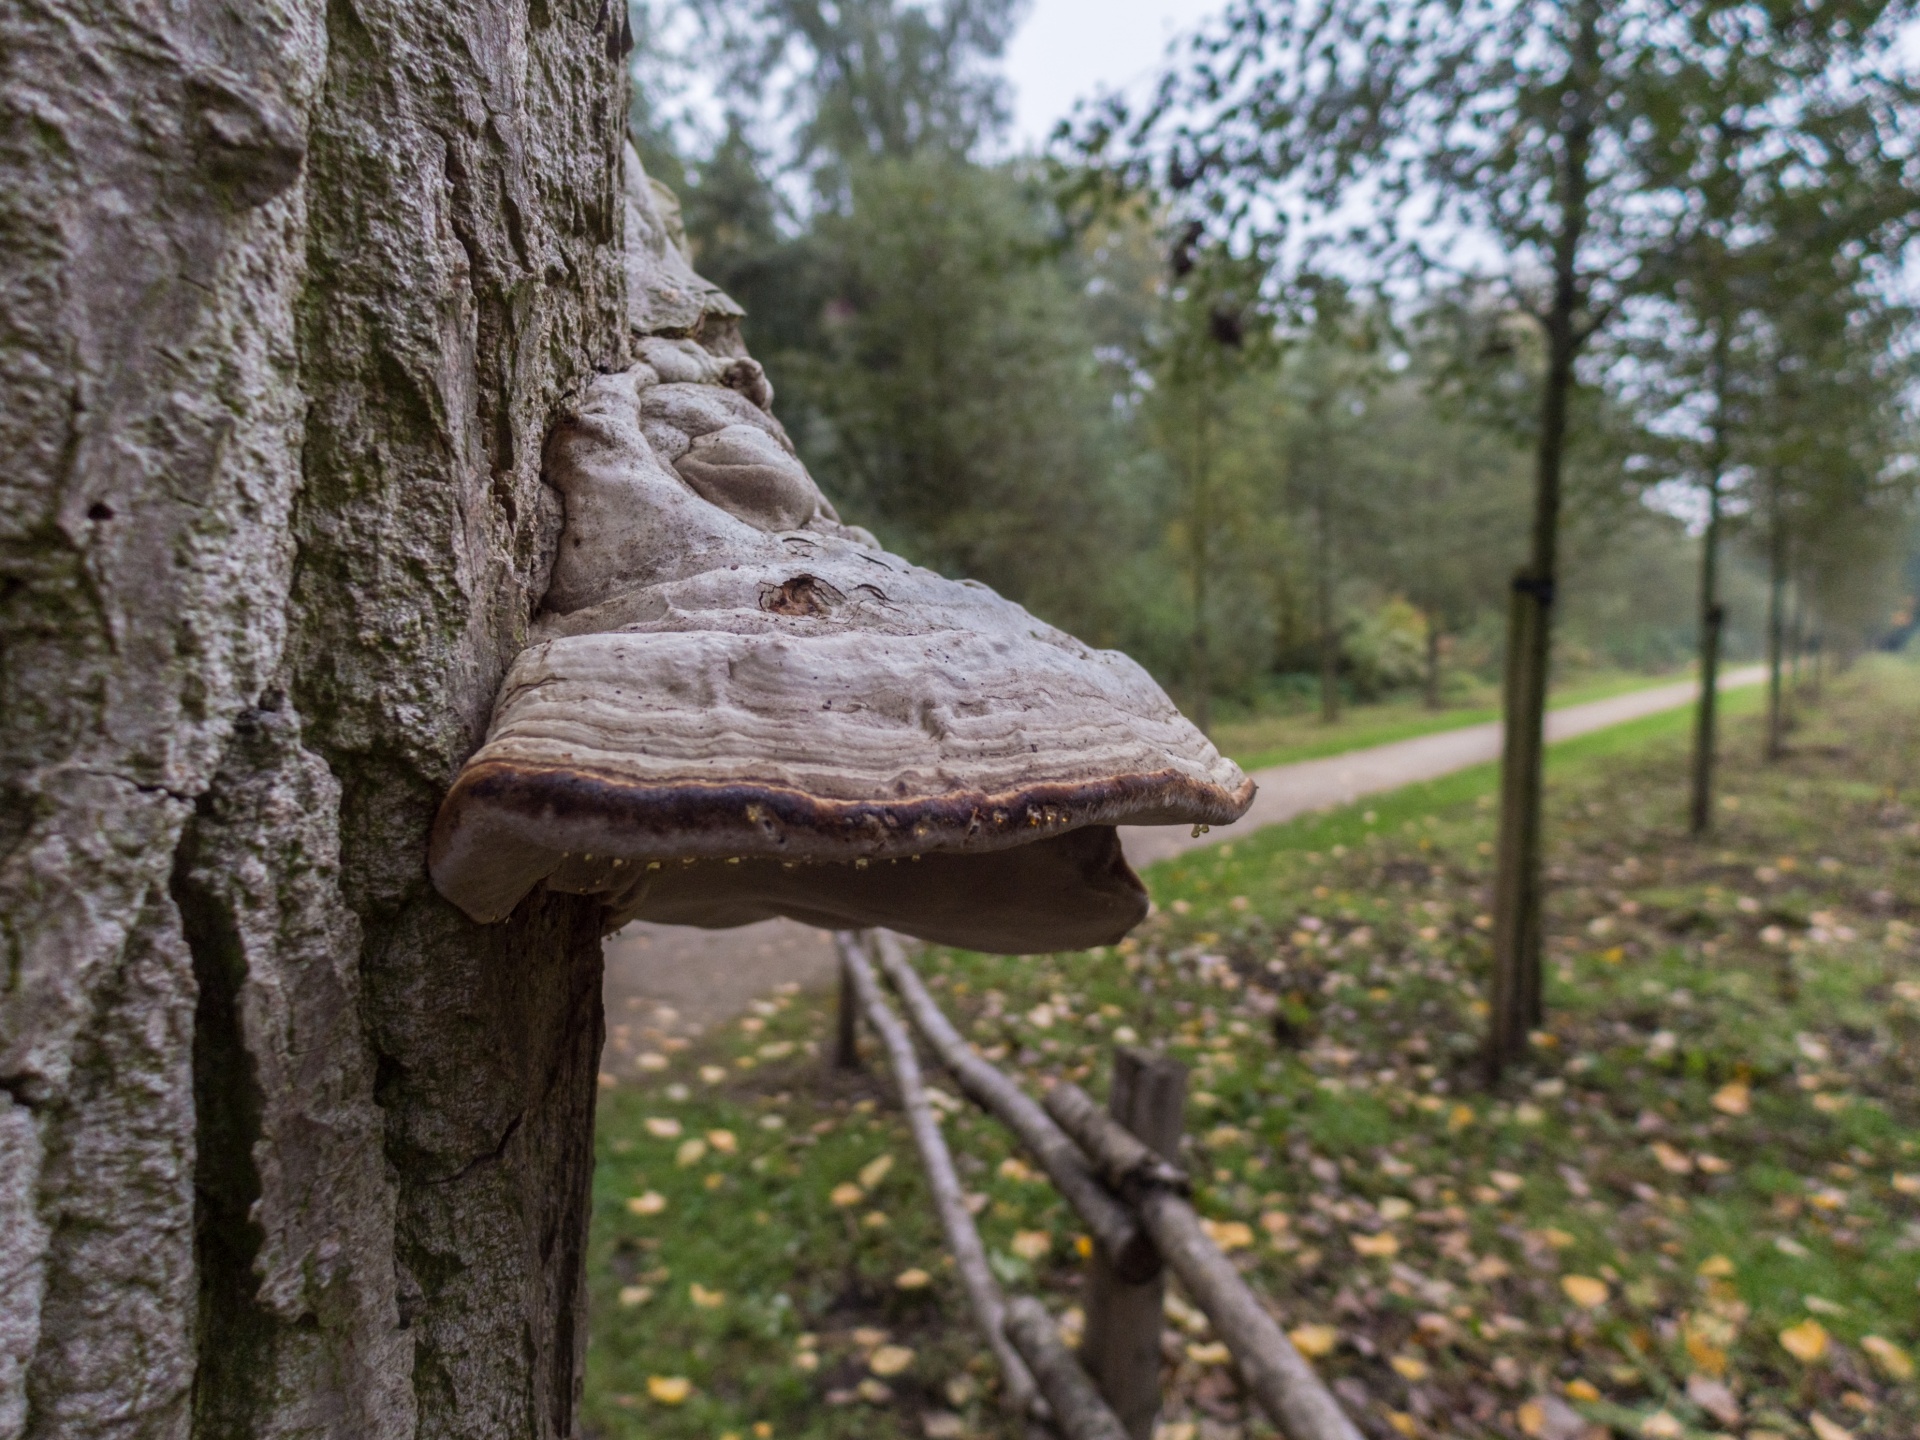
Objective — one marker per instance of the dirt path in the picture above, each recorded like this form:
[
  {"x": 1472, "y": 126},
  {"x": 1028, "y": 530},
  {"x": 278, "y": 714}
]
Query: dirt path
[{"x": 666, "y": 983}]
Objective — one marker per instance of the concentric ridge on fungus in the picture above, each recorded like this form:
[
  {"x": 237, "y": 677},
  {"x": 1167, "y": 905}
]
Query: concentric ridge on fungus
[{"x": 736, "y": 706}]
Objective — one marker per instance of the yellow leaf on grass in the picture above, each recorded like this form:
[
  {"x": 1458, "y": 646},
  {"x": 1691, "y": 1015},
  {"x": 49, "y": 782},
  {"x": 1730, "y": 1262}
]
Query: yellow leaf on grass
[
  {"x": 1585, "y": 1291},
  {"x": 1410, "y": 1368},
  {"x": 1674, "y": 1162},
  {"x": 1894, "y": 1362},
  {"x": 1733, "y": 1098},
  {"x": 1083, "y": 1246},
  {"x": 1275, "y": 1222},
  {"x": 651, "y": 1203},
  {"x": 723, "y": 1141},
  {"x": 631, "y": 1295},
  {"x": 669, "y": 1389},
  {"x": 1229, "y": 1235},
  {"x": 1031, "y": 1244},
  {"x": 1383, "y": 1246},
  {"x": 1706, "y": 1355},
  {"x": 1907, "y": 1184},
  {"x": 706, "y": 1299},
  {"x": 1210, "y": 1353},
  {"x": 1531, "y": 1416},
  {"x": 1828, "y": 1429},
  {"x": 1460, "y": 1117},
  {"x": 875, "y": 1170},
  {"x": 1489, "y": 1268},
  {"x": 1662, "y": 1426},
  {"x": 890, "y": 1360},
  {"x": 691, "y": 1152},
  {"x": 1806, "y": 1342},
  {"x": 1715, "y": 1267},
  {"x": 1581, "y": 1390},
  {"x": 663, "y": 1127},
  {"x": 914, "y": 1279},
  {"x": 1014, "y": 1169},
  {"x": 1314, "y": 1341},
  {"x": 1403, "y": 1423},
  {"x": 1391, "y": 1208},
  {"x": 846, "y": 1193}
]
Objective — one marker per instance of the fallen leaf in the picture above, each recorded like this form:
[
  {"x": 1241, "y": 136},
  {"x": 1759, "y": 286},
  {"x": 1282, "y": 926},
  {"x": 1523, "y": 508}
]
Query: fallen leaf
[
  {"x": 1460, "y": 1117},
  {"x": 669, "y": 1389},
  {"x": 846, "y": 1193},
  {"x": 712, "y": 1074},
  {"x": 1212, "y": 1352},
  {"x": 1031, "y": 1244},
  {"x": 1715, "y": 1267},
  {"x": 691, "y": 1152},
  {"x": 1383, "y": 1246},
  {"x": 1489, "y": 1268},
  {"x": 942, "y": 1425},
  {"x": 1403, "y": 1423},
  {"x": 651, "y": 1203},
  {"x": 869, "y": 1336},
  {"x": 1392, "y": 1208},
  {"x": 1314, "y": 1341},
  {"x": 890, "y": 1360},
  {"x": 663, "y": 1127},
  {"x": 1894, "y": 1362},
  {"x": 875, "y": 1170},
  {"x": 874, "y": 1392},
  {"x": 1662, "y": 1426},
  {"x": 1507, "y": 1182},
  {"x": 706, "y": 1299},
  {"x": 723, "y": 1141},
  {"x": 1733, "y": 1098},
  {"x": 1229, "y": 1235},
  {"x": 631, "y": 1295},
  {"x": 1827, "y": 1429},
  {"x": 1582, "y": 1390},
  {"x": 1585, "y": 1291},
  {"x": 1907, "y": 1184},
  {"x": 1674, "y": 1162},
  {"x": 1806, "y": 1342},
  {"x": 914, "y": 1279},
  {"x": 1275, "y": 1222},
  {"x": 1714, "y": 1397},
  {"x": 1012, "y": 1168},
  {"x": 1410, "y": 1368}
]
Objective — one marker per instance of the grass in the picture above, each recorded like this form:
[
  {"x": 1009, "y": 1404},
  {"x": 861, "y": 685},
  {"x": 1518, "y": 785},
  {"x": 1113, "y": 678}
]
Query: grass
[
  {"x": 1696, "y": 1213},
  {"x": 1266, "y": 738}
]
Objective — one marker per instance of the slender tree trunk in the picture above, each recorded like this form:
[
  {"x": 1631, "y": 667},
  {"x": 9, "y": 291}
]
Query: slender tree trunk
[
  {"x": 1323, "y": 588},
  {"x": 288, "y": 1147},
  {"x": 1433, "y": 661},
  {"x": 1201, "y": 559},
  {"x": 1776, "y": 624},
  {"x": 1712, "y": 612},
  {"x": 1517, "y": 933}
]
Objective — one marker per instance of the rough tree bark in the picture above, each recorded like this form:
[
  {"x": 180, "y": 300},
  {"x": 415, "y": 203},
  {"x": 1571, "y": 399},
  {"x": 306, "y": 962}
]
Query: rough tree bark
[{"x": 290, "y": 295}]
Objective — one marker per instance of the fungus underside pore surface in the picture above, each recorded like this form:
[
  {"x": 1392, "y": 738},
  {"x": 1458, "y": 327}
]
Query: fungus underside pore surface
[{"x": 1695, "y": 1212}]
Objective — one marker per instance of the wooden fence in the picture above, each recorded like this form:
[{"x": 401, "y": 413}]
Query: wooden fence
[{"x": 1119, "y": 1169}]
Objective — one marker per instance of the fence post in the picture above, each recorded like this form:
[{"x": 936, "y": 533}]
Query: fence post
[
  {"x": 1121, "y": 1350},
  {"x": 846, "y": 1038}
]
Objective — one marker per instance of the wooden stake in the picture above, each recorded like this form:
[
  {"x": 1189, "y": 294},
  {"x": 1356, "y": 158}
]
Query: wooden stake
[
  {"x": 1078, "y": 1411},
  {"x": 1113, "y": 1226},
  {"x": 1281, "y": 1382},
  {"x": 969, "y": 1255},
  {"x": 1124, "y": 1316},
  {"x": 846, "y": 1037}
]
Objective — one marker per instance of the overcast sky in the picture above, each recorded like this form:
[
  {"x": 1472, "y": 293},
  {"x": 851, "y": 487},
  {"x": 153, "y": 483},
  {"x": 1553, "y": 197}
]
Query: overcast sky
[{"x": 1068, "y": 49}]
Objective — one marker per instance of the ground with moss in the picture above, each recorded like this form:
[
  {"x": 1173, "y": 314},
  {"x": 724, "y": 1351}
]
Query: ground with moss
[{"x": 1696, "y": 1211}]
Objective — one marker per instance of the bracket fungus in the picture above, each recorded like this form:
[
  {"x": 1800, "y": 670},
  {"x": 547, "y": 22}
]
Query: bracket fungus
[{"x": 735, "y": 706}]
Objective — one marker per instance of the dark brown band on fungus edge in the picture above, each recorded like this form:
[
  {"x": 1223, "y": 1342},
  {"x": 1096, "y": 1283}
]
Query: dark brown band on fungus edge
[{"x": 672, "y": 821}]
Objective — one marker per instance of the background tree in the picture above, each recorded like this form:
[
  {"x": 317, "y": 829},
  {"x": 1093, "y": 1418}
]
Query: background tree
[{"x": 1526, "y": 127}]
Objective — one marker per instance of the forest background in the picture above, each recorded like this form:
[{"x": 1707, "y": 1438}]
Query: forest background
[{"x": 979, "y": 353}]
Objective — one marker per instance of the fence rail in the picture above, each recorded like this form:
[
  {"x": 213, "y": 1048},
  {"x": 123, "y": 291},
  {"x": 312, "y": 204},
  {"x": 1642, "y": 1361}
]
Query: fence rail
[{"x": 1119, "y": 1174}]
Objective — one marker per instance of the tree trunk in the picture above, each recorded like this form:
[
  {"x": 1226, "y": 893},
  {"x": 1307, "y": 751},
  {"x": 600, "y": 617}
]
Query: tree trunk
[
  {"x": 287, "y": 1145},
  {"x": 1323, "y": 593},
  {"x": 1517, "y": 936},
  {"x": 1712, "y": 613},
  {"x": 1433, "y": 661},
  {"x": 1776, "y": 629},
  {"x": 1201, "y": 559}
]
